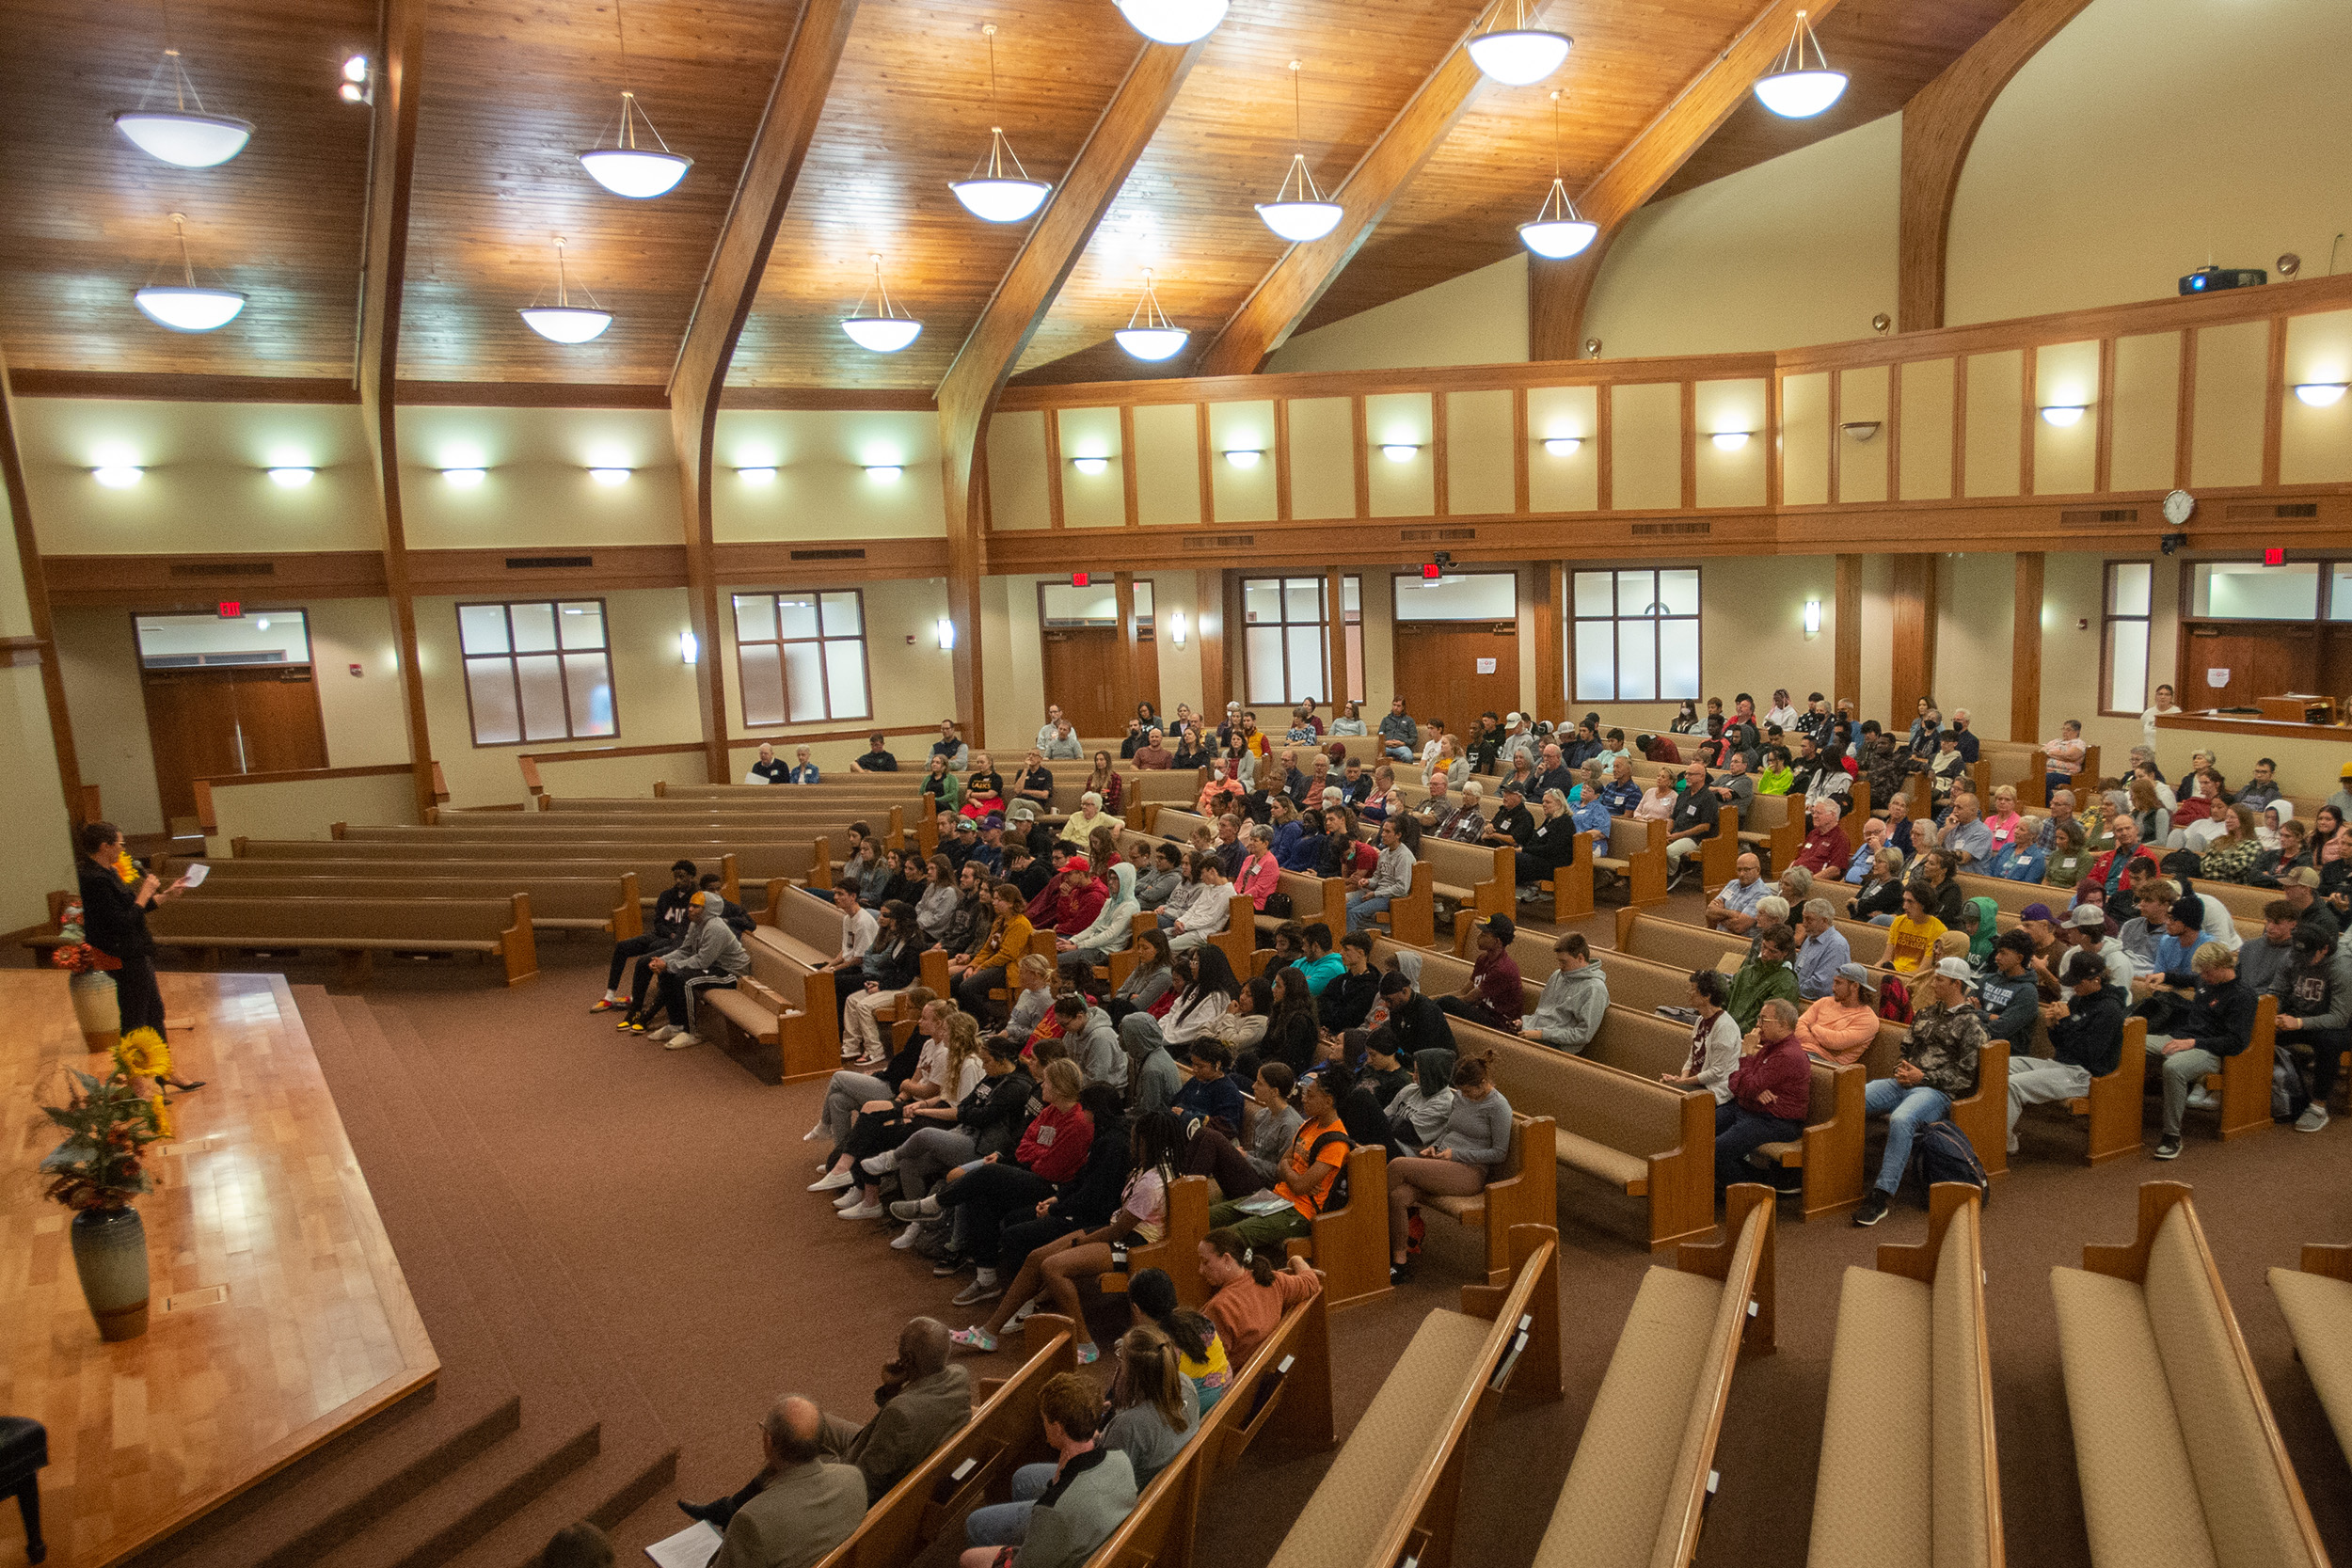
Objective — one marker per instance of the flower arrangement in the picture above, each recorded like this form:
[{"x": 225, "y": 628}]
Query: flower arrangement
[
  {"x": 109, "y": 1123},
  {"x": 76, "y": 955}
]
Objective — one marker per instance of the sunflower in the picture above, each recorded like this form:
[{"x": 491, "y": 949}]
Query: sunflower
[
  {"x": 143, "y": 1053},
  {"x": 127, "y": 869},
  {"x": 162, "y": 1110}
]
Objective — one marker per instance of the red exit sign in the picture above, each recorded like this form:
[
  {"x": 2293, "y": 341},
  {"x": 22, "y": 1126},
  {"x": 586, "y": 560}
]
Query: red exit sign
[
  {"x": 2274, "y": 558},
  {"x": 1081, "y": 579},
  {"x": 231, "y": 609}
]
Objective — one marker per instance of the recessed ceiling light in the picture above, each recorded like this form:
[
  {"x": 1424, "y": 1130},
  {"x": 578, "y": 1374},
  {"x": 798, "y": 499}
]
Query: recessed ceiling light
[
  {"x": 292, "y": 479},
  {"x": 117, "y": 476}
]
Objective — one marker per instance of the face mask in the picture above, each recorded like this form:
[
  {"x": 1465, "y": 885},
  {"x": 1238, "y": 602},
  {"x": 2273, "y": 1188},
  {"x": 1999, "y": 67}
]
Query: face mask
[{"x": 1216, "y": 775}]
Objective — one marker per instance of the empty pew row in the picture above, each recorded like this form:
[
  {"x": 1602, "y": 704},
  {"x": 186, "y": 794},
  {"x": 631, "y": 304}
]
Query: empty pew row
[
  {"x": 1392, "y": 1494},
  {"x": 2175, "y": 1447},
  {"x": 1637, "y": 1490},
  {"x": 651, "y": 872},
  {"x": 754, "y": 861},
  {"x": 1931, "y": 1493},
  {"x": 832, "y": 825},
  {"x": 355, "y": 928},
  {"x": 604, "y": 904}
]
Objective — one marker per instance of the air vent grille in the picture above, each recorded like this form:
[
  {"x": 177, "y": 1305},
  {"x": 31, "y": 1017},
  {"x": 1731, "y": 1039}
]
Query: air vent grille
[
  {"x": 548, "y": 562},
  {"x": 224, "y": 568},
  {"x": 1219, "y": 541},
  {"x": 2264, "y": 511},
  {"x": 828, "y": 555},
  {"x": 1652, "y": 530},
  {"x": 1439, "y": 534},
  {"x": 2091, "y": 517}
]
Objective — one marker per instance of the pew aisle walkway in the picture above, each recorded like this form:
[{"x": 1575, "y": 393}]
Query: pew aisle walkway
[{"x": 668, "y": 1186}]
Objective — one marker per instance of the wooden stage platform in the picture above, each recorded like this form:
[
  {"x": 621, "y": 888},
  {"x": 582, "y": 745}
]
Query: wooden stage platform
[{"x": 278, "y": 1314}]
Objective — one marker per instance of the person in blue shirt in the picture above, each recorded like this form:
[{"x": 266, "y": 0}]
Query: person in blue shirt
[
  {"x": 1210, "y": 1094},
  {"x": 1287, "y": 830},
  {"x": 802, "y": 770},
  {"x": 1586, "y": 806},
  {"x": 1321, "y": 965},
  {"x": 1823, "y": 952},
  {"x": 1621, "y": 794},
  {"x": 1734, "y": 908},
  {"x": 1398, "y": 733}
]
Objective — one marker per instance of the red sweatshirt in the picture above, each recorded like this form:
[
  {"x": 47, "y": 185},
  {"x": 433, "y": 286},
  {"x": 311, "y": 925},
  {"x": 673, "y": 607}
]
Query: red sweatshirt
[
  {"x": 1786, "y": 1070},
  {"x": 1055, "y": 1144}
]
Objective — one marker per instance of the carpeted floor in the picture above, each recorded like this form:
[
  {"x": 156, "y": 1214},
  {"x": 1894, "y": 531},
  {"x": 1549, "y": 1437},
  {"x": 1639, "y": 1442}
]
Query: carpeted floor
[{"x": 671, "y": 1183}]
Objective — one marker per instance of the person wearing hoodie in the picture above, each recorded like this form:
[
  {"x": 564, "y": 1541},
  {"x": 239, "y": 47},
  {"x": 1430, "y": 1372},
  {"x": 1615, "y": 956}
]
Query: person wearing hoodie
[
  {"x": 710, "y": 956},
  {"x": 2085, "y": 1040},
  {"x": 1980, "y": 918},
  {"x": 1419, "y": 1111},
  {"x": 1574, "y": 1002},
  {"x": 1111, "y": 930},
  {"x": 1413, "y": 1021},
  {"x": 2315, "y": 1007},
  {"x": 1349, "y": 995},
  {"x": 2008, "y": 994},
  {"x": 1092, "y": 1040}
]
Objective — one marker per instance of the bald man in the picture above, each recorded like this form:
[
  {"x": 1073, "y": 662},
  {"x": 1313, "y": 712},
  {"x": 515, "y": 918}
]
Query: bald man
[{"x": 806, "y": 1508}]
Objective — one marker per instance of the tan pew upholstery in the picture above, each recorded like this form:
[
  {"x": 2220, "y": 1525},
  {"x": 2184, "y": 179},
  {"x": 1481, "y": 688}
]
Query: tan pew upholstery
[
  {"x": 557, "y": 903},
  {"x": 258, "y": 858},
  {"x": 2317, "y": 1302},
  {"x": 2179, "y": 1458},
  {"x": 780, "y": 1020},
  {"x": 355, "y": 927}
]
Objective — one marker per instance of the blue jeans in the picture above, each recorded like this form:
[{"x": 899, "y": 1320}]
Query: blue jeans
[
  {"x": 1008, "y": 1523},
  {"x": 1396, "y": 753},
  {"x": 1739, "y": 1132},
  {"x": 1361, "y": 906},
  {"x": 1906, "y": 1111}
]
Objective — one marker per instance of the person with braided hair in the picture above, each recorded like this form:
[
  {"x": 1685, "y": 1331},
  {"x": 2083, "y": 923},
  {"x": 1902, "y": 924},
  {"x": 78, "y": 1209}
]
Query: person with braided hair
[{"x": 1248, "y": 1293}]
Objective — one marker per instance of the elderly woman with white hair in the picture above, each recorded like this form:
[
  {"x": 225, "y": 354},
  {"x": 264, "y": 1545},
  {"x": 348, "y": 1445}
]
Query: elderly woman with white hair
[{"x": 1088, "y": 816}]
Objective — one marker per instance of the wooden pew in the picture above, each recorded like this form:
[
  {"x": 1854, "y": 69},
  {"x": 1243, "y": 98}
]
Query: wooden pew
[
  {"x": 1349, "y": 1245},
  {"x": 2243, "y": 1081},
  {"x": 649, "y": 871},
  {"x": 2173, "y": 1437},
  {"x": 1775, "y": 827},
  {"x": 1520, "y": 1192},
  {"x": 557, "y": 903},
  {"x": 1637, "y": 853},
  {"x": 357, "y": 927},
  {"x": 754, "y": 859},
  {"x": 1394, "y": 1491},
  {"x": 1638, "y": 1489},
  {"x": 2317, "y": 1300},
  {"x": 1719, "y": 856},
  {"x": 1933, "y": 1493},
  {"x": 780, "y": 1020},
  {"x": 1177, "y": 1253},
  {"x": 1003, "y": 1432},
  {"x": 1312, "y": 899},
  {"x": 1413, "y": 918},
  {"x": 2115, "y": 1108},
  {"x": 1477, "y": 878}
]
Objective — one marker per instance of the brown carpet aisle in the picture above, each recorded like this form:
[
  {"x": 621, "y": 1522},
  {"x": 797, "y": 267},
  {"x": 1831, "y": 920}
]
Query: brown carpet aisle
[{"x": 671, "y": 1185}]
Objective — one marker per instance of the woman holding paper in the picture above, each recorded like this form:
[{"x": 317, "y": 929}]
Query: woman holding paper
[{"x": 114, "y": 920}]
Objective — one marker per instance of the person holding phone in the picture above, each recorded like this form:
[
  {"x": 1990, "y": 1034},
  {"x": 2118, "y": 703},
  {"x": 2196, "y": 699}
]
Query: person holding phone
[{"x": 114, "y": 920}]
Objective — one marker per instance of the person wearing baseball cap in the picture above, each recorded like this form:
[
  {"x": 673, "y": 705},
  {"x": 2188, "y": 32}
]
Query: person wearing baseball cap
[
  {"x": 1840, "y": 1027},
  {"x": 1494, "y": 998},
  {"x": 2342, "y": 798},
  {"x": 709, "y": 957},
  {"x": 1938, "y": 1066},
  {"x": 2300, "y": 888},
  {"x": 1513, "y": 824}
]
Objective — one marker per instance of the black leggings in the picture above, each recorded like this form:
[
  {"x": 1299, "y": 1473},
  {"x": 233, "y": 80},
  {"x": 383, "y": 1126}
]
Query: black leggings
[
  {"x": 1016, "y": 1240},
  {"x": 995, "y": 1193},
  {"x": 141, "y": 1002},
  {"x": 633, "y": 948}
]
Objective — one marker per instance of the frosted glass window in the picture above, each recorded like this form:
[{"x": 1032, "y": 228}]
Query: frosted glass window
[
  {"x": 1634, "y": 635},
  {"x": 2339, "y": 593},
  {"x": 1143, "y": 602},
  {"x": 802, "y": 656},
  {"x": 1595, "y": 661},
  {"x": 2128, "y": 583},
  {"x": 1261, "y": 650},
  {"x": 1637, "y": 661},
  {"x": 1678, "y": 657},
  {"x": 1306, "y": 664},
  {"x": 2247, "y": 591},
  {"x": 1471, "y": 597},
  {"x": 2123, "y": 638},
  {"x": 1678, "y": 592},
  {"x": 1595, "y": 593},
  {"x": 520, "y": 688},
  {"x": 1302, "y": 599},
  {"x": 1285, "y": 644},
  {"x": 1262, "y": 600}
]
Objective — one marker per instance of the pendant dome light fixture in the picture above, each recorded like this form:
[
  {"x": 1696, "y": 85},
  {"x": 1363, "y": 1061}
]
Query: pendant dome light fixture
[
  {"x": 1518, "y": 56},
  {"x": 1173, "y": 20},
  {"x": 188, "y": 306},
  {"x": 191, "y": 138},
  {"x": 994, "y": 195},
  {"x": 564, "y": 321},
  {"x": 626, "y": 169},
  {"x": 885, "y": 330},
  {"x": 1149, "y": 334},
  {"x": 1308, "y": 216},
  {"x": 1558, "y": 232},
  {"x": 1795, "y": 90}
]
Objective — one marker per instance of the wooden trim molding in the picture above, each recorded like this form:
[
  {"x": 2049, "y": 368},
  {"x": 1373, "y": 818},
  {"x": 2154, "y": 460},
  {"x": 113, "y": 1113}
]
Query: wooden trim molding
[
  {"x": 829, "y": 400},
  {"x": 1846, "y": 677},
  {"x": 169, "y": 582},
  {"x": 2025, "y": 659},
  {"x": 149, "y": 386},
  {"x": 34, "y": 574}
]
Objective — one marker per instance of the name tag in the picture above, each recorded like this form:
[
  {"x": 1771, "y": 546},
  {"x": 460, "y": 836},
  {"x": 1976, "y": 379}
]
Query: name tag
[{"x": 1045, "y": 1137}]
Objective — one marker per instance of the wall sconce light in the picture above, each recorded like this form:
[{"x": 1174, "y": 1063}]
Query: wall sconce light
[
  {"x": 117, "y": 476},
  {"x": 1592, "y": 348},
  {"x": 886, "y": 473},
  {"x": 1091, "y": 465},
  {"x": 1861, "y": 430},
  {"x": 947, "y": 632},
  {"x": 1730, "y": 440},
  {"x": 1399, "y": 452},
  {"x": 2062, "y": 414},
  {"x": 1813, "y": 617},
  {"x": 1563, "y": 446},
  {"x": 465, "y": 479},
  {"x": 292, "y": 479},
  {"x": 1244, "y": 457},
  {"x": 756, "y": 476},
  {"x": 2321, "y": 394},
  {"x": 689, "y": 648},
  {"x": 1176, "y": 626},
  {"x": 609, "y": 475}
]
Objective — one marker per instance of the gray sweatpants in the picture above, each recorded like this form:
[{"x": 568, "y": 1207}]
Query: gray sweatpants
[
  {"x": 2042, "y": 1081},
  {"x": 2183, "y": 1071},
  {"x": 844, "y": 1094},
  {"x": 929, "y": 1155}
]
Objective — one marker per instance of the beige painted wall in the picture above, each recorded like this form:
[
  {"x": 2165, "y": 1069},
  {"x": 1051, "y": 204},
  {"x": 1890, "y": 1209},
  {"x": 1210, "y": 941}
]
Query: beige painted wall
[
  {"x": 367, "y": 724},
  {"x": 308, "y": 808},
  {"x": 39, "y": 854},
  {"x": 100, "y": 666},
  {"x": 1976, "y": 598},
  {"x": 821, "y": 488},
  {"x": 1014, "y": 676},
  {"x": 1797, "y": 250},
  {"x": 1479, "y": 318},
  {"x": 2063, "y": 204}
]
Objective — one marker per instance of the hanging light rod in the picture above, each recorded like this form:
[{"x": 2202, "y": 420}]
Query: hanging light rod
[
  {"x": 192, "y": 138},
  {"x": 1308, "y": 216},
  {"x": 994, "y": 196},
  {"x": 564, "y": 321},
  {"x": 1795, "y": 90},
  {"x": 1149, "y": 334},
  {"x": 626, "y": 169},
  {"x": 885, "y": 330},
  {"x": 1518, "y": 56},
  {"x": 188, "y": 306},
  {"x": 1559, "y": 231}
]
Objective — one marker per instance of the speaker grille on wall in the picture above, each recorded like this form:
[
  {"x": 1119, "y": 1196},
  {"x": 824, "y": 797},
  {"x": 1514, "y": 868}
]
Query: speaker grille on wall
[
  {"x": 1655, "y": 529},
  {"x": 2263, "y": 511},
  {"x": 224, "y": 568},
  {"x": 548, "y": 562},
  {"x": 1410, "y": 535},
  {"x": 2091, "y": 517},
  {"x": 1219, "y": 541},
  {"x": 828, "y": 555}
]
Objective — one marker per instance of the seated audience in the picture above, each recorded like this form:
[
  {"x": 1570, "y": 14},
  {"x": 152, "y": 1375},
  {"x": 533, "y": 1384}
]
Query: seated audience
[
  {"x": 662, "y": 933},
  {"x": 1938, "y": 1066},
  {"x": 1574, "y": 1002},
  {"x": 1822, "y": 950},
  {"x": 1840, "y": 1027},
  {"x": 1248, "y": 1291},
  {"x": 1912, "y": 936},
  {"x": 709, "y": 957},
  {"x": 1714, "y": 1038},
  {"x": 2217, "y": 1024},
  {"x": 1493, "y": 996},
  {"x": 1771, "y": 1089},
  {"x": 1733, "y": 909},
  {"x": 1824, "y": 850},
  {"x": 1303, "y": 1181},
  {"x": 1391, "y": 877},
  {"x": 1766, "y": 975},
  {"x": 1476, "y": 1138},
  {"x": 1068, "y": 1507},
  {"x": 806, "y": 1506}
]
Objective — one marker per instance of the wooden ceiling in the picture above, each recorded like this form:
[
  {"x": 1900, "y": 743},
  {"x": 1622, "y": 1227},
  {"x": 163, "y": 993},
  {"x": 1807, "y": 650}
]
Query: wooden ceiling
[{"x": 512, "y": 89}]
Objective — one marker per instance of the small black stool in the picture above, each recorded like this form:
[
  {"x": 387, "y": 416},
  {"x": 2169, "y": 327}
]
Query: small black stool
[{"x": 23, "y": 1450}]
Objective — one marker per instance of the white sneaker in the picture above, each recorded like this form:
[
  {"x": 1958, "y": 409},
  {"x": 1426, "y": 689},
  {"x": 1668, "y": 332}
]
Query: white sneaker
[
  {"x": 905, "y": 1239},
  {"x": 886, "y": 1161},
  {"x": 2313, "y": 1117},
  {"x": 850, "y": 1199},
  {"x": 813, "y": 1134},
  {"x": 863, "y": 1211},
  {"x": 2202, "y": 1099},
  {"x": 832, "y": 1181},
  {"x": 679, "y": 1040},
  {"x": 1021, "y": 1314}
]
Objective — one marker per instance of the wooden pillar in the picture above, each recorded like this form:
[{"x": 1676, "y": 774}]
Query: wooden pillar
[
  {"x": 1123, "y": 667},
  {"x": 1209, "y": 626},
  {"x": 36, "y": 609},
  {"x": 1913, "y": 654},
  {"x": 2025, "y": 658},
  {"x": 1847, "y": 678},
  {"x": 1550, "y": 644},
  {"x": 1335, "y": 636}
]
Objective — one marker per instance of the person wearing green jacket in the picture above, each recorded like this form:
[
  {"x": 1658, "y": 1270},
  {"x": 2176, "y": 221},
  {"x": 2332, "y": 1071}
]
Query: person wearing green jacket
[{"x": 1762, "y": 977}]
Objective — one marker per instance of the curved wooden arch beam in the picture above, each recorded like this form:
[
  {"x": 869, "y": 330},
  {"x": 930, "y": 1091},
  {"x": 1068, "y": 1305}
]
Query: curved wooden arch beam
[
  {"x": 968, "y": 392},
  {"x": 392, "y": 168},
  {"x": 1282, "y": 298},
  {"x": 1556, "y": 291},
  {"x": 737, "y": 261},
  {"x": 1940, "y": 124}
]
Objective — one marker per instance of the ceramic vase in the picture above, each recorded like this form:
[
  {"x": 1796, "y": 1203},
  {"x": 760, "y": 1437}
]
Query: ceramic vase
[
  {"x": 97, "y": 1008},
  {"x": 110, "y": 1254}
]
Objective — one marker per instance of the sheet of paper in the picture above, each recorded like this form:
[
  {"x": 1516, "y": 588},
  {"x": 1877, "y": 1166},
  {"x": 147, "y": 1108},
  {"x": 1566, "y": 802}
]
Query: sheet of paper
[
  {"x": 1486, "y": 666},
  {"x": 197, "y": 873},
  {"x": 692, "y": 1547}
]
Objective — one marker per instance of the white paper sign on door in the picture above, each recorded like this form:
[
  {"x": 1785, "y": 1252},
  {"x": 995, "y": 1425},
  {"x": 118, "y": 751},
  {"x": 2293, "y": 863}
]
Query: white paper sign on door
[
  {"x": 2217, "y": 679},
  {"x": 1486, "y": 666}
]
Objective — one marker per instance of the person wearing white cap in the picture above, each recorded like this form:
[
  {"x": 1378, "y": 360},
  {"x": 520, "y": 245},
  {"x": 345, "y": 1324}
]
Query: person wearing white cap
[
  {"x": 1938, "y": 1066},
  {"x": 2086, "y": 928},
  {"x": 1519, "y": 741}
]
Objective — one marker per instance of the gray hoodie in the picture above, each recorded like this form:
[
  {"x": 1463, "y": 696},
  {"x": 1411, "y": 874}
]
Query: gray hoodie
[
  {"x": 1573, "y": 1003},
  {"x": 1098, "y": 1048},
  {"x": 712, "y": 946}
]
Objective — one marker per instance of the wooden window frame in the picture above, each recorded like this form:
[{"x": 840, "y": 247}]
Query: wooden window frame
[
  {"x": 866, "y": 654},
  {"x": 465, "y": 660},
  {"x": 1569, "y": 620},
  {"x": 2107, "y": 634},
  {"x": 1322, "y": 624}
]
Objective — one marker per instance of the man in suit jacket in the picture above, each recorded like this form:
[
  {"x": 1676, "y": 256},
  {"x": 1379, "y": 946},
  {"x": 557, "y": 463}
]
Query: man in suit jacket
[
  {"x": 807, "y": 1506},
  {"x": 924, "y": 1400}
]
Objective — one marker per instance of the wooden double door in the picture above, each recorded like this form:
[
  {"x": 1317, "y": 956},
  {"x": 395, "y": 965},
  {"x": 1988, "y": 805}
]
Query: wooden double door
[
  {"x": 1456, "y": 670},
  {"x": 1080, "y": 665},
  {"x": 212, "y": 723}
]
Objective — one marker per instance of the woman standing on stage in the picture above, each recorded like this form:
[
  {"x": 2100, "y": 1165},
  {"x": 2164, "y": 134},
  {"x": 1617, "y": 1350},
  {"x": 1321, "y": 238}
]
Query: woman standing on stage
[{"x": 114, "y": 920}]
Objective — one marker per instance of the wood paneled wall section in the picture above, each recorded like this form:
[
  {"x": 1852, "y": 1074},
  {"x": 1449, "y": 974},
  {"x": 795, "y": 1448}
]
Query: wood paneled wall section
[
  {"x": 2025, "y": 659},
  {"x": 37, "y": 605},
  {"x": 1914, "y": 651},
  {"x": 1847, "y": 670}
]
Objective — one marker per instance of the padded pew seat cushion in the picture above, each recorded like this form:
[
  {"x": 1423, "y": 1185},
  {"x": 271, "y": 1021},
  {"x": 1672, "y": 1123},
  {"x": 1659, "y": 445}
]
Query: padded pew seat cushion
[
  {"x": 1614, "y": 1165},
  {"x": 745, "y": 1012},
  {"x": 2319, "y": 1310},
  {"x": 1871, "y": 1503},
  {"x": 2139, "y": 1496}
]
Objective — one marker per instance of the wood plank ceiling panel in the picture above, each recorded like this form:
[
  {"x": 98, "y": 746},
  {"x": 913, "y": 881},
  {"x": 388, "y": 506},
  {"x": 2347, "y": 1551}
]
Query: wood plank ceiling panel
[
  {"x": 83, "y": 213},
  {"x": 515, "y": 91},
  {"x": 909, "y": 112}
]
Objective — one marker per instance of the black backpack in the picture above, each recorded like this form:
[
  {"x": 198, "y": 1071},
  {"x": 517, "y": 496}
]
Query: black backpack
[
  {"x": 1942, "y": 1152},
  {"x": 1334, "y": 1196}
]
